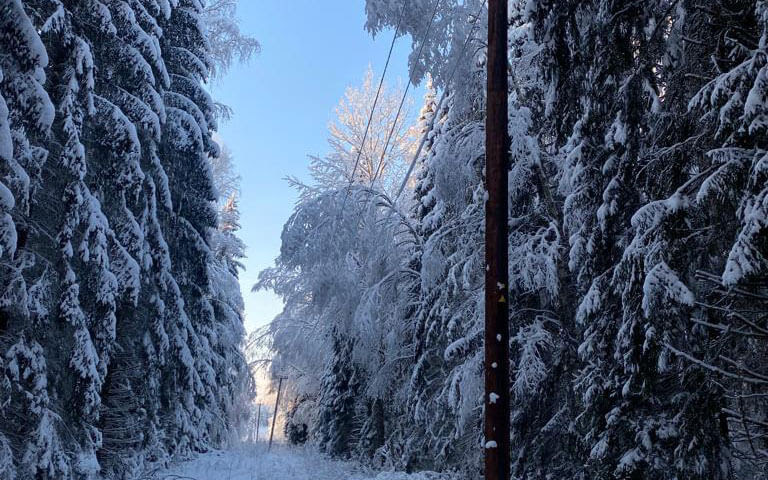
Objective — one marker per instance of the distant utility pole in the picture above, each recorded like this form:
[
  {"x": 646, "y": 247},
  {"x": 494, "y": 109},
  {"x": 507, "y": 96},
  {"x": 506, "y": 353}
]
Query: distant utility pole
[
  {"x": 496, "y": 402},
  {"x": 258, "y": 420},
  {"x": 274, "y": 414}
]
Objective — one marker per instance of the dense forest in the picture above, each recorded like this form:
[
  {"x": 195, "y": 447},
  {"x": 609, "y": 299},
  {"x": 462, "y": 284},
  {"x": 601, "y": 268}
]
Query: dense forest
[
  {"x": 121, "y": 325},
  {"x": 638, "y": 247}
]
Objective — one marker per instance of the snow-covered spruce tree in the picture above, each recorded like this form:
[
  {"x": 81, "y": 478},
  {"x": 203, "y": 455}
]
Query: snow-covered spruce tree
[
  {"x": 236, "y": 387},
  {"x": 636, "y": 425},
  {"x": 30, "y": 446},
  {"x": 445, "y": 386},
  {"x": 26, "y": 115},
  {"x": 675, "y": 237},
  {"x": 29, "y": 441},
  {"x": 86, "y": 294},
  {"x": 192, "y": 413},
  {"x": 544, "y": 403},
  {"x": 163, "y": 347},
  {"x": 123, "y": 136},
  {"x": 338, "y": 394},
  {"x": 138, "y": 86},
  {"x": 208, "y": 331},
  {"x": 36, "y": 449},
  {"x": 428, "y": 122},
  {"x": 403, "y": 447},
  {"x": 729, "y": 194},
  {"x": 81, "y": 236}
]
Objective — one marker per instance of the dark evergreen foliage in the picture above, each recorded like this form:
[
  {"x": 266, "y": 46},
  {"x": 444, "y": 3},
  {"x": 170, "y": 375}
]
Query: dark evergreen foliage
[{"x": 111, "y": 353}]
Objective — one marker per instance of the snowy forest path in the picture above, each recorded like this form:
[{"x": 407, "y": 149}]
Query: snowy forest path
[{"x": 254, "y": 462}]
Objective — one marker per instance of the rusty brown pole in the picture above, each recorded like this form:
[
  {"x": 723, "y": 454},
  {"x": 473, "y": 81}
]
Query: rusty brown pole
[{"x": 496, "y": 425}]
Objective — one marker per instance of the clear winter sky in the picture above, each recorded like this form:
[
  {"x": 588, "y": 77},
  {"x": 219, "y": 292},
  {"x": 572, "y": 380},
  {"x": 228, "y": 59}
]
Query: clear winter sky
[{"x": 283, "y": 99}]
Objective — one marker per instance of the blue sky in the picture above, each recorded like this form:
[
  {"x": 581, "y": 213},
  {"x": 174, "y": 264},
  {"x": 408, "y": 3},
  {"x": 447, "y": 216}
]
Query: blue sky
[{"x": 283, "y": 100}]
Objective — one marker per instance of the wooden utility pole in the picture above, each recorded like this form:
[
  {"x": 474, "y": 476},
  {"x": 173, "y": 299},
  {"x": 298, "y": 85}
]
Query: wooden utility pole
[
  {"x": 274, "y": 414},
  {"x": 496, "y": 425},
  {"x": 258, "y": 420}
]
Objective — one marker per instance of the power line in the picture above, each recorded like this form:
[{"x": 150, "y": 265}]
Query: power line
[
  {"x": 373, "y": 107},
  {"x": 439, "y": 103},
  {"x": 443, "y": 96},
  {"x": 405, "y": 94}
]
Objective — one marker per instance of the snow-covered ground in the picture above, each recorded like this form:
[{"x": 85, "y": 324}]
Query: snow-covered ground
[{"x": 254, "y": 462}]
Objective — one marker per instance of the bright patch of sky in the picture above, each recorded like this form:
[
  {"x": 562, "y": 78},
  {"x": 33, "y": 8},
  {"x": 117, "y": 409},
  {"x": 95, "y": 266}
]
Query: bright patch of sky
[{"x": 283, "y": 100}]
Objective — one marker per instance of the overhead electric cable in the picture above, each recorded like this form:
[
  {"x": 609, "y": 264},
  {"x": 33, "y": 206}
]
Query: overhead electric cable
[
  {"x": 373, "y": 107},
  {"x": 454, "y": 69},
  {"x": 405, "y": 95},
  {"x": 439, "y": 104}
]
